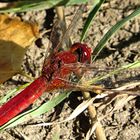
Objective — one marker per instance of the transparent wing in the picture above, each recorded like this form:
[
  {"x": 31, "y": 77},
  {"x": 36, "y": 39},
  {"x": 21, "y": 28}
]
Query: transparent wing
[
  {"x": 89, "y": 75},
  {"x": 65, "y": 40},
  {"x": 59, "y": 38}
]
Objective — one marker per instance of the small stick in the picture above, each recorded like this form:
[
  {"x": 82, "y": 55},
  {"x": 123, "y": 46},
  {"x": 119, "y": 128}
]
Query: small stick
[{"x": 100, "y": 134}]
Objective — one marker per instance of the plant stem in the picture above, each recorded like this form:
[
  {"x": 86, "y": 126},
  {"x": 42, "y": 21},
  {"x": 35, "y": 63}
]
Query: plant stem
[{"x": 99, "y": 131}]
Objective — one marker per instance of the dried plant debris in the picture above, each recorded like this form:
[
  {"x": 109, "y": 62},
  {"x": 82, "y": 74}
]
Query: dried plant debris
[{"x": 15, "y": 37}]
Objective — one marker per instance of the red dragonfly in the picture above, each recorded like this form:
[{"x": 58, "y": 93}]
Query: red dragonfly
[{"x": 54, "y": 73}]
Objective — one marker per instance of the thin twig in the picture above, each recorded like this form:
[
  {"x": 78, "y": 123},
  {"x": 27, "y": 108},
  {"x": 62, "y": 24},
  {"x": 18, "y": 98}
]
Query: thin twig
[{"x": 99, "y": 131}]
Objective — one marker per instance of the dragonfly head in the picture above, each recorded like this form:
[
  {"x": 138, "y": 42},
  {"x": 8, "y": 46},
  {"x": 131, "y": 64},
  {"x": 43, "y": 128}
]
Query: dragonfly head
[{"x": 83, "y": 51}]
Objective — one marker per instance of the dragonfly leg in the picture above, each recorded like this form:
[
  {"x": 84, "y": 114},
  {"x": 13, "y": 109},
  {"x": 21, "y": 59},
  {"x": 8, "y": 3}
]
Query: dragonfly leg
[
  {"x": 86, "y": 66},
  {"x": 65, "y": 84}
]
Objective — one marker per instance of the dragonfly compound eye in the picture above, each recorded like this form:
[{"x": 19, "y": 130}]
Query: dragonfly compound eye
[{"x": 83, "y": 50}]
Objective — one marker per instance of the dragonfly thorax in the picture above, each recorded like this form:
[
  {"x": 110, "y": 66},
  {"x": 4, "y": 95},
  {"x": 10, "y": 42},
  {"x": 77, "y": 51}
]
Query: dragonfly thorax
[{"x": 56, "y": 66}]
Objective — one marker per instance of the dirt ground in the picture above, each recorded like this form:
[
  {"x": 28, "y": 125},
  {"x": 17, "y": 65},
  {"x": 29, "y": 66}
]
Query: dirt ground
[{"x": 123, "y": 48}]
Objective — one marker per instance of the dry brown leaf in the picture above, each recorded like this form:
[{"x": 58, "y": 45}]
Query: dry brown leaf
[{"x": 15, "y": 37}]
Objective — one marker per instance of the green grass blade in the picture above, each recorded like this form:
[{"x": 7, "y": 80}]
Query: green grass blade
[
  {"x": 23, "y": 6},
  {"x": 73, "y": 2},
  {"x": 7, "y": 96},
  {"x": 95, "y": 9},
  {"x": 27, "y": 5},
  {"x": 133, "y": 65},
  {"x": 35, "y": 111},
  {"x": 111, "y": 32},
  {"x": 12, "y": 92}
]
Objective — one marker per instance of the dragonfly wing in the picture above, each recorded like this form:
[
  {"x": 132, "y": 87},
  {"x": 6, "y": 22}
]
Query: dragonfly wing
[
  {"x": 59, "y": 37},
  {"x": 70, "y": 30}
]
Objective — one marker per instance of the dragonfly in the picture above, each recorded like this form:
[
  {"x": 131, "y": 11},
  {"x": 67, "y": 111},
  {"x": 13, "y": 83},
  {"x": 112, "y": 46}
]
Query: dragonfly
[
  {"x": 54, "y": 72},
  {"x": 57, "y": 69}
]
